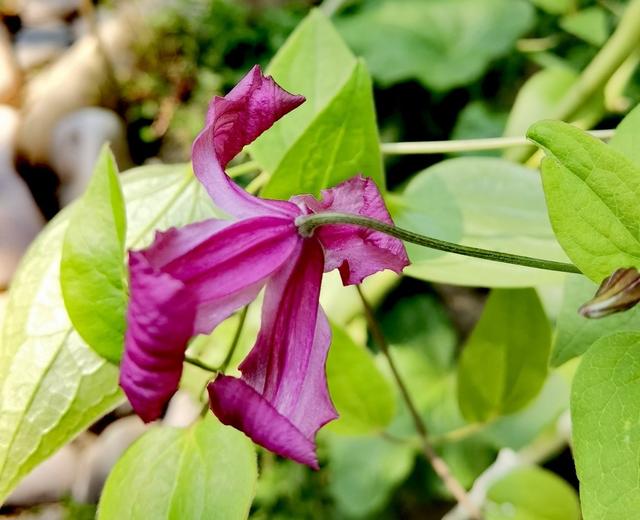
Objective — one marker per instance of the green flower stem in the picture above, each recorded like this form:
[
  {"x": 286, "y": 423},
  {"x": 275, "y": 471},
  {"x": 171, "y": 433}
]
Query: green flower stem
[
  {"x": 466, "y": 145},
  {"x": 437, "y": 463},
  {"x": 200, "y": 364},
  {"x": 308, "y": 223},
  {"x": 241, "y": 169},
  {"x": 235, "y": 340}
]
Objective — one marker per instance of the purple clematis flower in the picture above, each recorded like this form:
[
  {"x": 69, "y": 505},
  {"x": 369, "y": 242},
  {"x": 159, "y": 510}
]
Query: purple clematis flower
[{"x": 190, "y": 279}]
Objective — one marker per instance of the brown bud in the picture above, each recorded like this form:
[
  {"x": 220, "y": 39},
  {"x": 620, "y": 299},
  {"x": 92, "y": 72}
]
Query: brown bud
[{"x": 619, "y": 292}]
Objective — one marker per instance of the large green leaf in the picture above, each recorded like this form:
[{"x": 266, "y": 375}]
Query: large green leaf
[
  {"x": 342, "y": 141},
  {"x": 593, "y": 195},
  {"x": 605, "y": 411},
  {"x": 574, "y": 333},
  {"x": 555, "y": 6},
  {"x": 52, "y": 384},
  {"x": 504, "y": 362},
  {"x": 442, "y": 43},
  {"x": 532, "y": 494},
  {"x": 361, "y": 394},
  {"x": 482, "y": 202},
  {"x": 539, "y": 97},
  {"x": 205, "y": 471},
  {"x": 92, "y": 269},
  {"x": 333, "y": 135},
  {"x": 314, "y": 62}
]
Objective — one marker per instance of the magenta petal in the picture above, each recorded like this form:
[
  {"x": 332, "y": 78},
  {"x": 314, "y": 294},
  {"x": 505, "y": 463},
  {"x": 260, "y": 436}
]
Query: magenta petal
[
  {"x": 160, "y": 320},
  {"x": 286, "y": 367},
  {"x": 186, "y": 282},
  {"x": 358, "y": 252},
  {"x": 233, "y": 122}
]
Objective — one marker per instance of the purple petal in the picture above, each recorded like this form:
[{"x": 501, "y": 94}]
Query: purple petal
[
  {"x": 356, "y": 251},
  {"x": 233, "y": 122},
  {"x": 160, "y": 320},
  {"x": 185, "y": 283},
  {"x": 282, "y": 399}
]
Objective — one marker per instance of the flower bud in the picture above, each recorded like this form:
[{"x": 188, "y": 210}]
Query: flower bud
[{"x": 619, "y": 292}]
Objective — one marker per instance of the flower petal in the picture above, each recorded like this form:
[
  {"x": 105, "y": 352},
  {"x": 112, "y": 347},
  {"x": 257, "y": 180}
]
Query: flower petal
[
  {"x": 284, "y": 400},
  {"x": 356, "y": 251},
  {"x": 185, "y": 283},
  {"x": 160, "y": 320},
  {"x": 233, "y": 122}
]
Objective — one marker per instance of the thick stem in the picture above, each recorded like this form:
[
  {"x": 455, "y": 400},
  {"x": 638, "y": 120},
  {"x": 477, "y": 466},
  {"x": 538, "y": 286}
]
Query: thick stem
[
  {"x": 466, "y": 145},
  {"x": 307, "y": 223},
  {"x": 437, "y": 463}
]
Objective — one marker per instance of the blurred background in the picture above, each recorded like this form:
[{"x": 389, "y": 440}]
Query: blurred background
[{"x": 139, "y": 74}]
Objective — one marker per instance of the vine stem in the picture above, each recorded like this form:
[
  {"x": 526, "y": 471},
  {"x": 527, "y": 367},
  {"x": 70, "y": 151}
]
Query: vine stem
[
  {"x": 437, "y": 463},
  {"x": 307, "y": 224},
  {"x": 466, "y": 145}
]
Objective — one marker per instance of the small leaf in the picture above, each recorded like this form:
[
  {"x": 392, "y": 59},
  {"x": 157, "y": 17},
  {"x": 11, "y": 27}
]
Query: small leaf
[
  {"x": 363, "y": 397},
  {"x": 590, "y": 24},
  {"x": 205, "y": 471},
  {"x": 482, "y": 202},
  {"x": 504, "y": 362},
  {"x": 532, "y": 494},
  {"x": 314, "y": 62},
  {"x": 593, "y": 196},
  {"x": 339, "y": 143},
  {"x": 442, "y": 43},
  {"x": 605, "y": 407},
  {"x": 92, "y": 268},
  {"x": 574, "y": 333}
]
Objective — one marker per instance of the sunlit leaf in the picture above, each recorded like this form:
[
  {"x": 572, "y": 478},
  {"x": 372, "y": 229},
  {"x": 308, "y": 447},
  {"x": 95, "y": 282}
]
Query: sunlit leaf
[
  {"x": 92, "y": 268},
  {"x": 205, "y": 471},
  {"x": 593, "y": 195},
  {"x": 605, "y": 407}
]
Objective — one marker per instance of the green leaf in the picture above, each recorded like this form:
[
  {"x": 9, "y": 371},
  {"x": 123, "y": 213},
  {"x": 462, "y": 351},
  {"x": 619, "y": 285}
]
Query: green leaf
[
  {"x": 314, "y": 62},
  {"x": 364, "y": 472},
  {"x": 361, "y": 394},
  {"x": 342, "y": 141},
  {"x": 482, "y": 202},
  {"x": 590, "y": 24},
  {"x": 52, "y": 385},
  {"x": 532, "y": 494},
  {"x": 442, "y": 43},
  {"x": 205, "y": 471},
  {"x": 593, "y": 196},
  {"x": 555, "y": 6},
  {"x": 627, "y": 136},
  {"x": 504, "y": 362},
  {"x": 538, "y": 99},
  {"x": 575, "y": 333},
  {"x": 92, "y": 269},
  {"x": 605, "y": 407}
]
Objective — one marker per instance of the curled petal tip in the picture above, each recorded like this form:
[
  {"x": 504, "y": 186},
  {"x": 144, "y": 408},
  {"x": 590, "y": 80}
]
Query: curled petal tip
[{"x": 617, "y": 293}]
